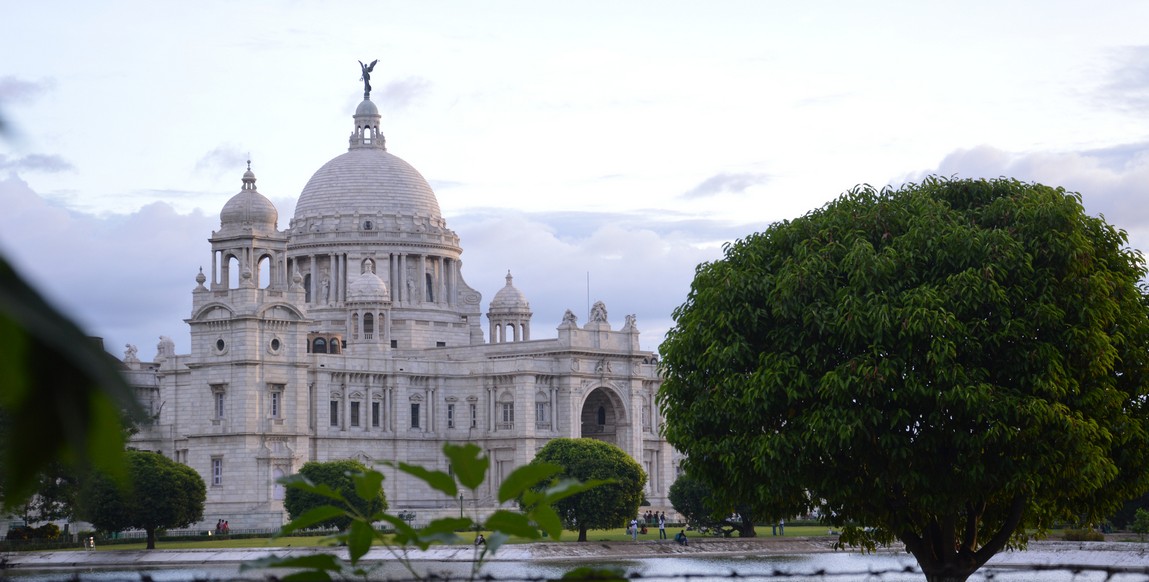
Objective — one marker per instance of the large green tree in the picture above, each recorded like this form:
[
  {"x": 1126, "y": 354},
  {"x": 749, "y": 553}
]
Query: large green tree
[
  {"x": 949, "y": 363},
  {"x": 339, "y": 476},
  {"x": 161, "y": 494},
  {"x": 605, "y": 506}
]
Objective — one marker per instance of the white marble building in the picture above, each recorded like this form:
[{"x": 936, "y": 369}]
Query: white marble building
[{"x": 352, "y": 334}]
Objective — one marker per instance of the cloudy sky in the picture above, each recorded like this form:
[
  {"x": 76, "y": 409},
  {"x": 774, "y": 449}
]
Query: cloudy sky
[{"x": 620, "y": 143}]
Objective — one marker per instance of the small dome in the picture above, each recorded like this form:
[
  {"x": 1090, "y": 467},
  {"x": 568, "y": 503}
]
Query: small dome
[
  {"x": 249, "y": 208},
  {"x": 366, "y": 108},
  {"x": 368, "y": 287},
  {"x": 510, "y": 299}
]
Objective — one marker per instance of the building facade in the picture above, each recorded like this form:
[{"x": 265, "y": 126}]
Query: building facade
[{"x": 352, "y": 334}]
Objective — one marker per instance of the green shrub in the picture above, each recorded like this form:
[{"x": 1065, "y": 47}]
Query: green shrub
[{"x": 1084, "y": 535}]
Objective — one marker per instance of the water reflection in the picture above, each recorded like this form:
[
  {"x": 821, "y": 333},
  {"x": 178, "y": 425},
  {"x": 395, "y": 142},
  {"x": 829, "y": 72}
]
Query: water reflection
[{"x": 825, "y": 567}]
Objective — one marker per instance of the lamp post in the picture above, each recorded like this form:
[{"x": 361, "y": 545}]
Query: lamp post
[{"x": 460, "y": 506}]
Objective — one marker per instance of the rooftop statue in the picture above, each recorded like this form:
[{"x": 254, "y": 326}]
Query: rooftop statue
[{"x": 367, "y": 77}]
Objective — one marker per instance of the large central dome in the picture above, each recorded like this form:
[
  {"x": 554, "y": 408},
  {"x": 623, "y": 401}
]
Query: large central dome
[{"x": 369, "y": 181}]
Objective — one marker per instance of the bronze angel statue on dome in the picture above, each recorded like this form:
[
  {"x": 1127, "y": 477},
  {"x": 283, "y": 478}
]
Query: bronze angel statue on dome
[{"x": 367, "y": 77}]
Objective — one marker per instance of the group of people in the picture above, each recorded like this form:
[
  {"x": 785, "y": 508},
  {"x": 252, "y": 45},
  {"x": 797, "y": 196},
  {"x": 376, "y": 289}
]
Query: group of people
[
  {"x": 222, "y": 528},
  {"x": 638, "y": 524}
]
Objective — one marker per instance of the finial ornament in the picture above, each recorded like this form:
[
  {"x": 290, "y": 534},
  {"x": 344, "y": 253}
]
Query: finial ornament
[{"x": 367, "y": 77}]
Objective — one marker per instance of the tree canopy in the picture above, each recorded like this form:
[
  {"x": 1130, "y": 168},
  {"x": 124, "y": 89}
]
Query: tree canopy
[
  {"x": 161, "y": 494},
  {"x": 606, "y": 506},
  {"x": 339, "y": 476},
  {"x": 947, "y": 363}
]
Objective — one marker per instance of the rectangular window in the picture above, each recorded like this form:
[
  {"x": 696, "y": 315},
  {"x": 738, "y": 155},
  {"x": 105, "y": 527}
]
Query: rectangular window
[
  {"x": 334, "y": 413},
  {"x": 541, "y": 411},
  {"x": 218, "y": 400},
  {"x": 354, "y": 414},
  {"x": 450, "y": 416},
  {"x": 217, "y": 471},
  {"x": 474, "y": 416},
  {"x": 508, "y": 417},
  {"x": 414, "y": 415},
  {"x": 276, "y": 402},
  {"x": 375, "y": 414}
]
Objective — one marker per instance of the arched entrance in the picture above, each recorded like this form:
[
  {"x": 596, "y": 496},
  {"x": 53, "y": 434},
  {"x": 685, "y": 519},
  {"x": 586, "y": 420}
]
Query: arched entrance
[{"x": 603, "y": 415}]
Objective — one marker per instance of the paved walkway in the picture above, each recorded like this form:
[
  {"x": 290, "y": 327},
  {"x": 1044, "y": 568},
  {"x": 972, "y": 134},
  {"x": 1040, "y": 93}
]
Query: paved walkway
[{"x": 510, "y": 552}]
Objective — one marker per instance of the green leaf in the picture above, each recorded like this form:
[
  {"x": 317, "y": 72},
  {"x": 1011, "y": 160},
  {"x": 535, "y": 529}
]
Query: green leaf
[
  {"x": 470, "y": 468},
  {"x": 567, "y": 487},
  {"x": 304, "y": 484},
  {"x": 495, "y": 541},
  {"x": 526, "y": 477},
  {"x": 512, "y": 524},
  {"x": 442, "y": 530},
  {"x": 307, "y": 576},
  {"x": 448, "y": 524},
  {"x": 359, "y": 538},
  {"x": 438, "y": 480},
  {"x": 548, "y": 520},
  {"x": 404, "y": 533},
  {"x": 367, "y": 484},
  {"x": 312, "y": 517}
]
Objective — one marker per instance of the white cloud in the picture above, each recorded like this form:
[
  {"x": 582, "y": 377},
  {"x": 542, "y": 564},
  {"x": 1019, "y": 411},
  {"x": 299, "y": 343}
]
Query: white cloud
[
  {"x": 400, "y": 94},
  {"x": 16, "y": 90},
  {"x": 1112, "y": 181},
  {"x": 223, "y": 160},
  {"x": 126, "y": 278},
  {"x": 733, "y": 183},
  {"x": 36, "y": 163}
]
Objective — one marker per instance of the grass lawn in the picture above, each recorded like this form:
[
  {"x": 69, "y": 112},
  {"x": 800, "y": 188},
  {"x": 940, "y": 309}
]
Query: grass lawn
[{"x": 609, "y": 535}]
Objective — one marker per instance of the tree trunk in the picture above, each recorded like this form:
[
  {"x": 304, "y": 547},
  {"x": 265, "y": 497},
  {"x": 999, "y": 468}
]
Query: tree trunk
[
  {"x": 746, "y": 528},
  {"x": 151, "y": 531},
  {"x": 582, "y": 533},
  {"x": 945, "y": 556},
  {"x": 946, "y": 578}
]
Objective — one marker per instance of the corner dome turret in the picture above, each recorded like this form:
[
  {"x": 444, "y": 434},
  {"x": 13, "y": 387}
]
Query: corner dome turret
[
  {"x": 509, "y": 299},
  {"x": 248, "y": 210}
]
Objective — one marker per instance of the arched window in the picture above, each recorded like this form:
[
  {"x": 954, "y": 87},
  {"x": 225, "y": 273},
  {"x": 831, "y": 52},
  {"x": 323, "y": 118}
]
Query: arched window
[
  {"x": 601, "y": 415},
  {"x": 430, "y": 288},
  {"x": 307, "y": 288},
  {"x": 354, "y": 326},
  {"x": 333, "y": 345},
  {"x": 232, "y": 272},
  {"x": 263, "y": 272},
  {"x": 368, "y": 326},
  {"x": 320, "y": 346}
]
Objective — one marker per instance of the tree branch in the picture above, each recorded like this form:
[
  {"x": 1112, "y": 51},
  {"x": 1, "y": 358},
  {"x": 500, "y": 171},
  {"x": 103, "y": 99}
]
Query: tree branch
[{"x": 1001, "y": 538}]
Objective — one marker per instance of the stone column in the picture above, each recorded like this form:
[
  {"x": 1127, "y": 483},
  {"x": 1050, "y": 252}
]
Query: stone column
[
  {"x": 554, "y": 394},
  {"x": 314, "y": 279}
]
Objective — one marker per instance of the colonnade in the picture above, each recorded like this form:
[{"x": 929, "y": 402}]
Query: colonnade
[{"x": 412, "y": 278}]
